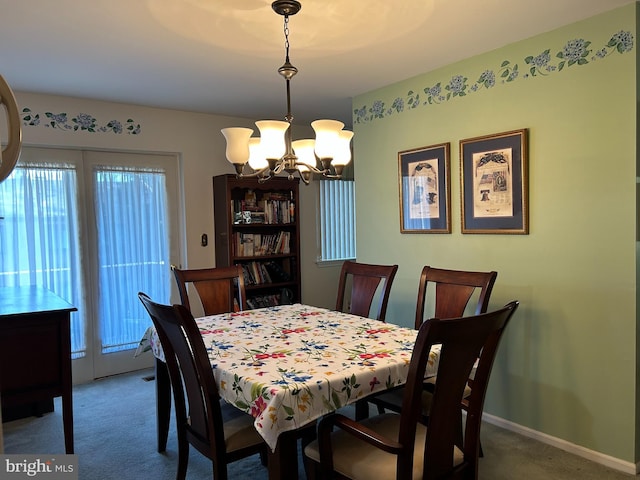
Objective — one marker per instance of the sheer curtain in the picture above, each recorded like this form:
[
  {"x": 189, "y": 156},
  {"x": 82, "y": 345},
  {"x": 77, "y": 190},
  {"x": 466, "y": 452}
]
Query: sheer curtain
[
  {"x": 47, "y": 238},
  {"x": 133, "y": 249},
  {"x": 39, "y": 236}
]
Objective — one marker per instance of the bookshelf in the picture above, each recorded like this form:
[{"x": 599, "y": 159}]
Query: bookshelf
[{"x": 256, "y": 226}]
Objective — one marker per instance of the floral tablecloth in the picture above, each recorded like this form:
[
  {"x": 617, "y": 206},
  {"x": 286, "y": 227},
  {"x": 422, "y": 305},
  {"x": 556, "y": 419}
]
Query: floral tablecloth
[{"x": 291, "y": 364}]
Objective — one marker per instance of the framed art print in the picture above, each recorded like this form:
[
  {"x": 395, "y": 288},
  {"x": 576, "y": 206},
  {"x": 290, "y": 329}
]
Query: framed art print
[
  {"x": 495, "y": 183},
  {"x": 424, "y": 182}
]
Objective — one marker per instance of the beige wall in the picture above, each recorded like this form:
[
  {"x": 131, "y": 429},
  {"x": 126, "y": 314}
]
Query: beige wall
[
  {"x": 319, "y": 282},
  {"x": 567, "y": 367}
]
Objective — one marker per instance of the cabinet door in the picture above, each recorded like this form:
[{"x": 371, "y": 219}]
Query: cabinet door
[{"x": 32, "y": 351}]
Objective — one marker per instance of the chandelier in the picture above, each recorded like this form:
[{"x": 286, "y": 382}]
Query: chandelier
[{"x": 274, "y": 152}]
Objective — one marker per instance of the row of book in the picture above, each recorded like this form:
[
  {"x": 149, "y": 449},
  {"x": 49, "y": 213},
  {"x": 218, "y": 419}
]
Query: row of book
[
  {"x": 258, "y": 273},
  {"x": 258, "y": 244},
  {"x": 266, "y": 211},
  {"x": 255, "y": 273},
  {"x": 262, "y": 301}
]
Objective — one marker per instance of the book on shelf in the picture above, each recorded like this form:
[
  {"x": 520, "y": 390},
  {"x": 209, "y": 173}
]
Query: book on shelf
[
  {"x": 258, "y": 247},
  {"x": 262, "y": 301},
  {"x": 256, "y": 273},
  {"x": 279, "y": 211},
  {"x": 244, "y": 244},
  {"x": 257, "y": 244},
  {"x": 269, "y": 210},
  {"x": 265, "y": 274},
  {"x": 247, "y": 245},
  {"x": 276, "y": 272},
  {"x": 248, "y": 278}
]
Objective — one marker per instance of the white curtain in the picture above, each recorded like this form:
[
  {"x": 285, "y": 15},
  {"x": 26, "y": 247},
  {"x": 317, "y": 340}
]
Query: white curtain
[
  {"x": 133, "y": 249},
  {"x": 39, "y": 236},
  {"x": 43, "y": 234}
]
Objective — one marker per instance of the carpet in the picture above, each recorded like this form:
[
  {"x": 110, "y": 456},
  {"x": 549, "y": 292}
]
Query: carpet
[
  {"x": 115, "y": 435},
  {"x": 115, "y": 439}
]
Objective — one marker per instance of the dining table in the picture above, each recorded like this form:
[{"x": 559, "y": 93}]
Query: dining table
[{"x": 289, "y": 365}]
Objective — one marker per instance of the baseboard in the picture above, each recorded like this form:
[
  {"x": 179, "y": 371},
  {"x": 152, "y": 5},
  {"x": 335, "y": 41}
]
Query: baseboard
[{"x": 602, "y": 459}]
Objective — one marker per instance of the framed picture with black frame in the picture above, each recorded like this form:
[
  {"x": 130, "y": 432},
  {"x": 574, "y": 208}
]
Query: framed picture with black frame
[
  {"x": 494, "y": 177},
  {"x": 425, "y": 189}
]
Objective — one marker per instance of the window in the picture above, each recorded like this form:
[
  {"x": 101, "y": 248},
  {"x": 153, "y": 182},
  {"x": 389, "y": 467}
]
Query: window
[
  {"x": 39, "y": 236},
  {"x": 337, "y": 220},
  {"x": 94, "y": 228},
  {"x": 133, "y": 249}
]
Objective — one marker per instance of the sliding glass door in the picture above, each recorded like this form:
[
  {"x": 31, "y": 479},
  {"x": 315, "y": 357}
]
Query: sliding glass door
[{"x": 96, "y": 228}]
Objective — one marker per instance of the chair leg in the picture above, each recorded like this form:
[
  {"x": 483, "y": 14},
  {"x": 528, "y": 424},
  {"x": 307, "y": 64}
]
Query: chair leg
[
  {"x": 310, "y": 468},
  {"x": 459, "y": 435},
  {"x": 308, "y": 435},
  {"x": 219, "y": 471},
  {"x": 163, "y": 403},
  {"x": 183, "y": 455},
  {"x": 362, "y": 409}
]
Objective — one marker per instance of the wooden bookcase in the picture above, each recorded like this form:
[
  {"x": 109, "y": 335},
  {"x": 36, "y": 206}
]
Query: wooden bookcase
[{"x": 256, "y": 226}]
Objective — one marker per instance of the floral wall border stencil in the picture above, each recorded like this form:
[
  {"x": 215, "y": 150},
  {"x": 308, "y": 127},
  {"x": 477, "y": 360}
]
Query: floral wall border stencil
[
  {"x": 82, "y": 122},
  {"x": 575, "y": 52}
]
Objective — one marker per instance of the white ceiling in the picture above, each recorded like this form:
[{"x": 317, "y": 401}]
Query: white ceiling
[{"x": 221, "y": 56}]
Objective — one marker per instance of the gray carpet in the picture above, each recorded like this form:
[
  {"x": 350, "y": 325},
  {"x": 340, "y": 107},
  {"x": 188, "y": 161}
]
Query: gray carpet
[
  {"x": 115, "y": 435},
  {"x": 115, "y": 439}
]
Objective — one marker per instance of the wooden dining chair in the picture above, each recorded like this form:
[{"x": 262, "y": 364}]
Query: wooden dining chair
[
  {"x": 399, "y": 446},
  {"x": 200, "y": 417},
  {"x": 217, "y": 290},
  {"x": 452, "y": 291},
  {"x": 220, "y": 289},
  {"x": 365, "y": 280}
]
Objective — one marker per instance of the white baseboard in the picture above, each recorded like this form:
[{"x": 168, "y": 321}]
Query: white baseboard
[{"x": 602, "y": 459}]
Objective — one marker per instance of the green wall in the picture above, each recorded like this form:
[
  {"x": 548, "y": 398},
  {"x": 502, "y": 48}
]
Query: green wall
[{"x": 567, "y": 365}]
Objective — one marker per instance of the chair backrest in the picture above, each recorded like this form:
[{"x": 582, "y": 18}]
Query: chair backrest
[
  {"x": 453, "y": 290},
  {"x": 220, "y": 289},
  {"x": 190, "y": 373},
  {"x": 365, "y": 280},
  {"x": 462, "y": 341}
]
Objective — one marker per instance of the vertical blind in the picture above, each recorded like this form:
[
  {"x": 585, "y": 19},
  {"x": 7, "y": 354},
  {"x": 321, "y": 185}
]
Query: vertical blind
[{"x": 337, "y": 220}]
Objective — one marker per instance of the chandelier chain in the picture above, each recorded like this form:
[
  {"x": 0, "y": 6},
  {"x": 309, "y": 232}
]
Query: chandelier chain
[{"x": 286, "y": 36}]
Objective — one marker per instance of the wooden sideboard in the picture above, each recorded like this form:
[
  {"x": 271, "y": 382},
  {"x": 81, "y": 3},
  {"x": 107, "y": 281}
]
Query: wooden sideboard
[{"x": 35, "y": 351}]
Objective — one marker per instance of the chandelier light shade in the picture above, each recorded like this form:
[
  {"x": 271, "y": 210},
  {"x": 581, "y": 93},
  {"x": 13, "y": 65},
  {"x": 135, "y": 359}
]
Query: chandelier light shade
[
  {"x": 257, "y": 160},
  {"x": 274, "y": 151},
  {"x": 305, "y": 152},
  {"x": 326, "y": 137},
  {"x": 237, "y": 151},
  {"x": 342, "y": 157},
  {"x": 272, "y": 138}
]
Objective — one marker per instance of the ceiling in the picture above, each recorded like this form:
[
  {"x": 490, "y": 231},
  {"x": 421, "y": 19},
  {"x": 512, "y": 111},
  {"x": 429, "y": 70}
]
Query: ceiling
[{"x": 222, "y": 56}]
